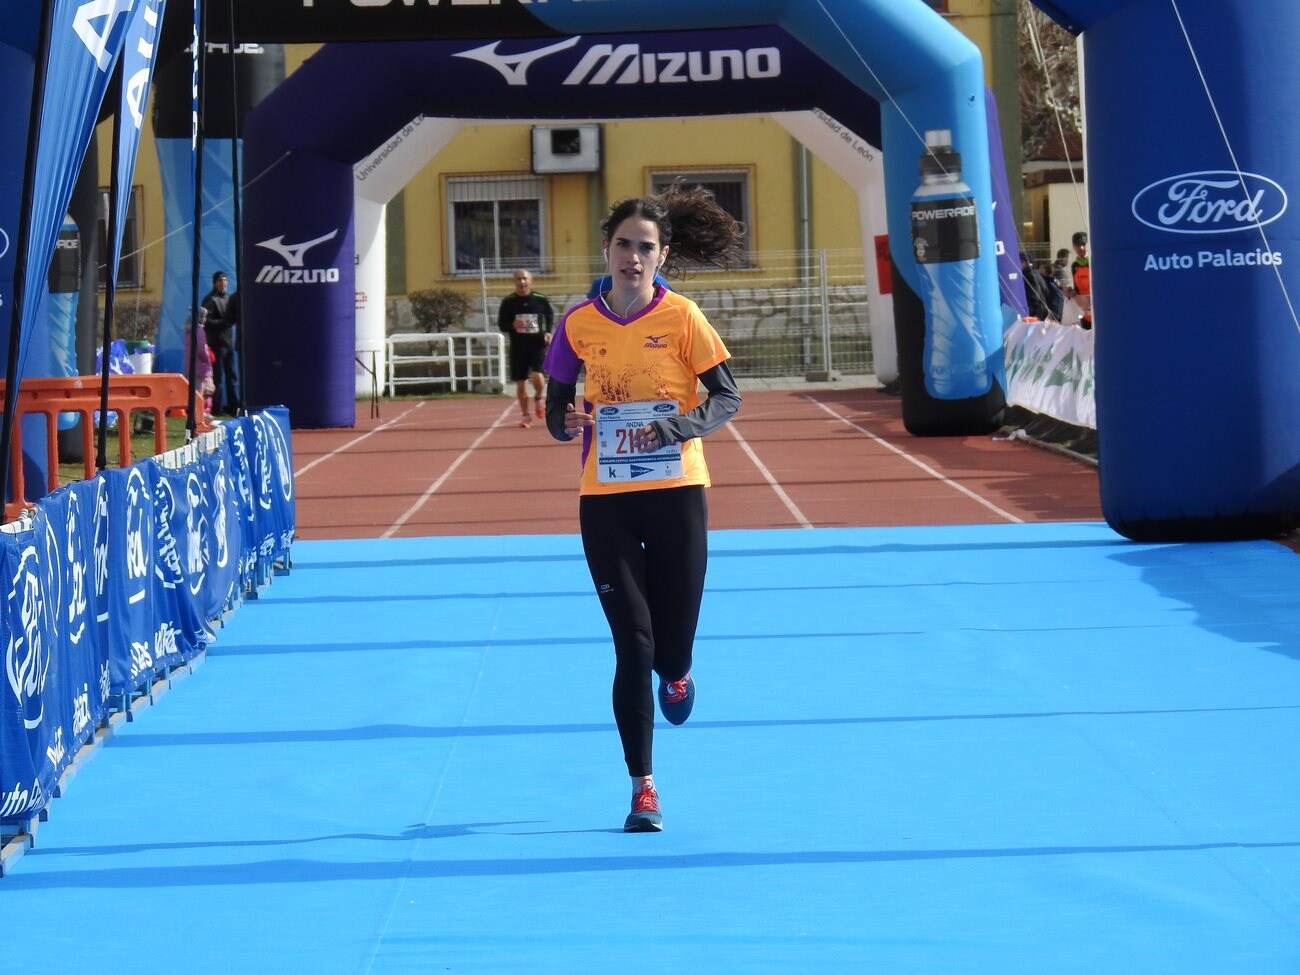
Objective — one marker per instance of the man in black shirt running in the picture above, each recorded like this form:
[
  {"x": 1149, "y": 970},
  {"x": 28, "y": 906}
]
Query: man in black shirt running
[{"x": 527, "y": 318}]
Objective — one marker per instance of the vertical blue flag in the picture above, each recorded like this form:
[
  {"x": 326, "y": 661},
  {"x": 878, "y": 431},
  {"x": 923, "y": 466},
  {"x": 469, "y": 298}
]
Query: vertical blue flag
[
  {"x": 18, "y": 44},
  {"x": 138, "y": 57},
  {"x": 85, "y": 41}
]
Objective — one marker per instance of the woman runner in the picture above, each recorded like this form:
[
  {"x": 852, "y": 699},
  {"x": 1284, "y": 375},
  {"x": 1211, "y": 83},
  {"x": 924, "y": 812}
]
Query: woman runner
[{"x": 642, "y": 509}]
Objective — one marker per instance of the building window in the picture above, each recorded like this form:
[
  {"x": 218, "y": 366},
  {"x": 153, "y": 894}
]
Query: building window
[
  {"x": 939, "y": 5},
  {"x": 130, "y": 272},
  {"x": 496, "y": 221},
  {"x": 730, "y": 187}
]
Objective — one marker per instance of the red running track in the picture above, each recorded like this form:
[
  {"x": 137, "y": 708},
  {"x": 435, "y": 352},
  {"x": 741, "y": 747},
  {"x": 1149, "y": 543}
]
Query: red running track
[{"x": 791, "y": 458}]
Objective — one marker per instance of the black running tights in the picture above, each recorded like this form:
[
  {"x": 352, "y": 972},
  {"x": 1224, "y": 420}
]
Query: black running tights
[{"x": 647, "y": 552}]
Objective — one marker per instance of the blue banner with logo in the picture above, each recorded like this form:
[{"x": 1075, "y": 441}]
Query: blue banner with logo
[
  {"x": 269, "y": 465},
  {"x": 117, "y": 580},
  {"x": 85, "y": 547},
  {"x": 85, "y": 41},
  {"x": 224, "y": 565},
  {"x": 32, "y": 734},
  {"x": 131, "y": 556},
  {"x": 139, "y": 52}
]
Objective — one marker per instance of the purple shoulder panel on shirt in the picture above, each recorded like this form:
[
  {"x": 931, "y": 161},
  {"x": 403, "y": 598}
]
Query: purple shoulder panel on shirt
[{"x": 562, "y": 363}]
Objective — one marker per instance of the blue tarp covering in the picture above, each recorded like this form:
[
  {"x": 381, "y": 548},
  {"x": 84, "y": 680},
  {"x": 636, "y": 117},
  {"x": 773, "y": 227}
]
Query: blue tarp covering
[{"x": 117, "y": 579}]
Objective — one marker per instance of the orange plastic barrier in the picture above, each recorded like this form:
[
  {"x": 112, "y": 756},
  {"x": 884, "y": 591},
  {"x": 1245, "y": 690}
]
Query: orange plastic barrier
[{"x": 152, "y": 393}]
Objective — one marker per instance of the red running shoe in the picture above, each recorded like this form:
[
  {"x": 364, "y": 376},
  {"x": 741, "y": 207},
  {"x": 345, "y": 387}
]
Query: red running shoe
[
  {"x": 645, "y": 816},
  {"x": 676, "y": 698}
]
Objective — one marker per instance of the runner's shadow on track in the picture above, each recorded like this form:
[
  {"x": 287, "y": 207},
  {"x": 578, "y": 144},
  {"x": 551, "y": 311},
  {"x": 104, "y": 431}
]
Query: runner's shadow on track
[
  {"x": 526, "y": 643},
  {"x": 405, "y": 731},
  {"x": 419, "y": 831},
  {"x": 319, "y": 871},
  {"x": 726, "y": 553}
]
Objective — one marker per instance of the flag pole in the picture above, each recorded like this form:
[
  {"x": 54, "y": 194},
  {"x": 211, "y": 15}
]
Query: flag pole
[
  {"x": 200, "y": 58},
  {"x": 241, "y": 402},
  {"x": 110, "y": 294}
]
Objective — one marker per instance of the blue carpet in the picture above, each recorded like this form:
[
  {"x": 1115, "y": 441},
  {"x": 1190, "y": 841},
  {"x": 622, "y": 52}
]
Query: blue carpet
[{"x": 991, "y": 749}]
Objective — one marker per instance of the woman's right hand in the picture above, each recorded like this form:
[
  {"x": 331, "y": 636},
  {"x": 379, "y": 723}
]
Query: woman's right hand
[{"x": 575, "y": 422}]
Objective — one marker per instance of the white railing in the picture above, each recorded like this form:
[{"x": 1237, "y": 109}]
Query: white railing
[
  {"x": 787, "y": 313},
  {"x": 458, "y": 359}
]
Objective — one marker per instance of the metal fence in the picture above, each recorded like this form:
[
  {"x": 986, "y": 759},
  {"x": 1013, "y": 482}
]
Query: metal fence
[
  {"x": 789, "y": 313},
  {"x": 476, "y": 360}
]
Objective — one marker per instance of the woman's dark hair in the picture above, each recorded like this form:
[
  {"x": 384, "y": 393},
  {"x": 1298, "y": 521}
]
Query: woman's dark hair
[{"x": 692, "y": 221}]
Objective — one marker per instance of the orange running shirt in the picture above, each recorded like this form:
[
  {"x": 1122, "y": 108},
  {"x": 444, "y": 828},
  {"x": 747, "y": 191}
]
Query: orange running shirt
[{"x": 657, "y": 354}]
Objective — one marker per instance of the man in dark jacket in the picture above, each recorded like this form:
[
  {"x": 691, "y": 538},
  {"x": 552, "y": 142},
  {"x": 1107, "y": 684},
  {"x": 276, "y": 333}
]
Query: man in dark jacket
[
  {"x": 1035, "y": 288},
  {"x": 221, "y": 340}
]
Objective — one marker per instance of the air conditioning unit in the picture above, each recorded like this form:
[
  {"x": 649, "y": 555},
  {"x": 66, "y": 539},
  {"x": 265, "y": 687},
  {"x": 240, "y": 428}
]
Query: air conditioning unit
[{"x": 566, "y": 148}]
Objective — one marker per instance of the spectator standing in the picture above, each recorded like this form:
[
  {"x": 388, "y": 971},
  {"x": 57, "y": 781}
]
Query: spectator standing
[
  {"x": 527, "y": 318},
  {"x": 1055, "y": 296},
  {"x": 642, "y": 509},
  {"x": 1061, "y": 272},
  {"x": 1035, "y": 288},
  {"x": 221, "y": 340},
  {"x": 202, "y": 364},
  {"x": 1081, "y": 278}
]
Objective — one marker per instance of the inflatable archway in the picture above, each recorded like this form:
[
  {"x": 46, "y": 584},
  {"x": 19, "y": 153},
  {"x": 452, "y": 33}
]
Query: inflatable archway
[
  {"x": 1193, "y": 166},
  {"x": 379, "y": 177},
  {"x": 853, "y": 59}
]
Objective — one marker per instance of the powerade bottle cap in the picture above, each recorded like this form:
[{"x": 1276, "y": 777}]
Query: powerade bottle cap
[{"x": 940, "y": 158}]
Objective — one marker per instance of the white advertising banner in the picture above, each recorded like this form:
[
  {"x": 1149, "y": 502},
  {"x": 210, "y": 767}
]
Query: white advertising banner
[{"x": 1050, "y": 370}]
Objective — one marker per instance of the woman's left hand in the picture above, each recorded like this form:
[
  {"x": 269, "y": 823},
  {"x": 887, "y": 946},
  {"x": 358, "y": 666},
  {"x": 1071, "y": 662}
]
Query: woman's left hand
[{"x": 645, "y": 440}]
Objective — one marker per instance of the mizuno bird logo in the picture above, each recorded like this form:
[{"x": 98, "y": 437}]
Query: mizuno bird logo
[
  {"x": 294, "y": 254},
  {"x": 514, "y": 67}
]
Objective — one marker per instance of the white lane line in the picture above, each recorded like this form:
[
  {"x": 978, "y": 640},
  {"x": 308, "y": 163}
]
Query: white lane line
[
  {"x": 920, "y": 463},
  {"x": 767, "y": 475},
  {"x": 432, "y": 488},
  {"x": 356, "y": 440}
]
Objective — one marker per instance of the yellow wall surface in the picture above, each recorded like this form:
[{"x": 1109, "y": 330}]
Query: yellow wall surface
[
  {"x": 1054, "y": 212},
  {"x": 149, "y": 208},
  {"x": 972, "y": 18},
  {"x": 632, "y": 151}
]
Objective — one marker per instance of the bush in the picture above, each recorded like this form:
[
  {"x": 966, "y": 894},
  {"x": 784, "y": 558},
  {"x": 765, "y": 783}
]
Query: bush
[
  {"x": 439, "y": 309},
  {"x": 135, "y": 320}
]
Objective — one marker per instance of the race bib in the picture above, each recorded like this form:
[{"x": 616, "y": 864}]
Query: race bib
[{"x": 616, "y": 462}]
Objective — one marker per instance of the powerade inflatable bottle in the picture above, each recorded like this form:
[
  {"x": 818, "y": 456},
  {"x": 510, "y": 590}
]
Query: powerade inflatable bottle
[{"x": 945, "y": 239}]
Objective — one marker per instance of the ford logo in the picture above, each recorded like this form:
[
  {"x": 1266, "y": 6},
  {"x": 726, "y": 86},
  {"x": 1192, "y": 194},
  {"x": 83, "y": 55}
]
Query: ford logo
[
  {"x": 609, "y": 411},
  {"x": 664, "y": 408},
  {"x": 4, "y": 242},
  {"x": 1213, "y": 202}
]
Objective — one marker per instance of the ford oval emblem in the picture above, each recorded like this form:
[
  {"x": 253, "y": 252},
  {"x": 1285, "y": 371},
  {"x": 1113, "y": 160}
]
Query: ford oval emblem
[
  {"x": 1218, "y": 201},
  {"x": 664, "y": 408},
  {"x": 609, "y": 411}
]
